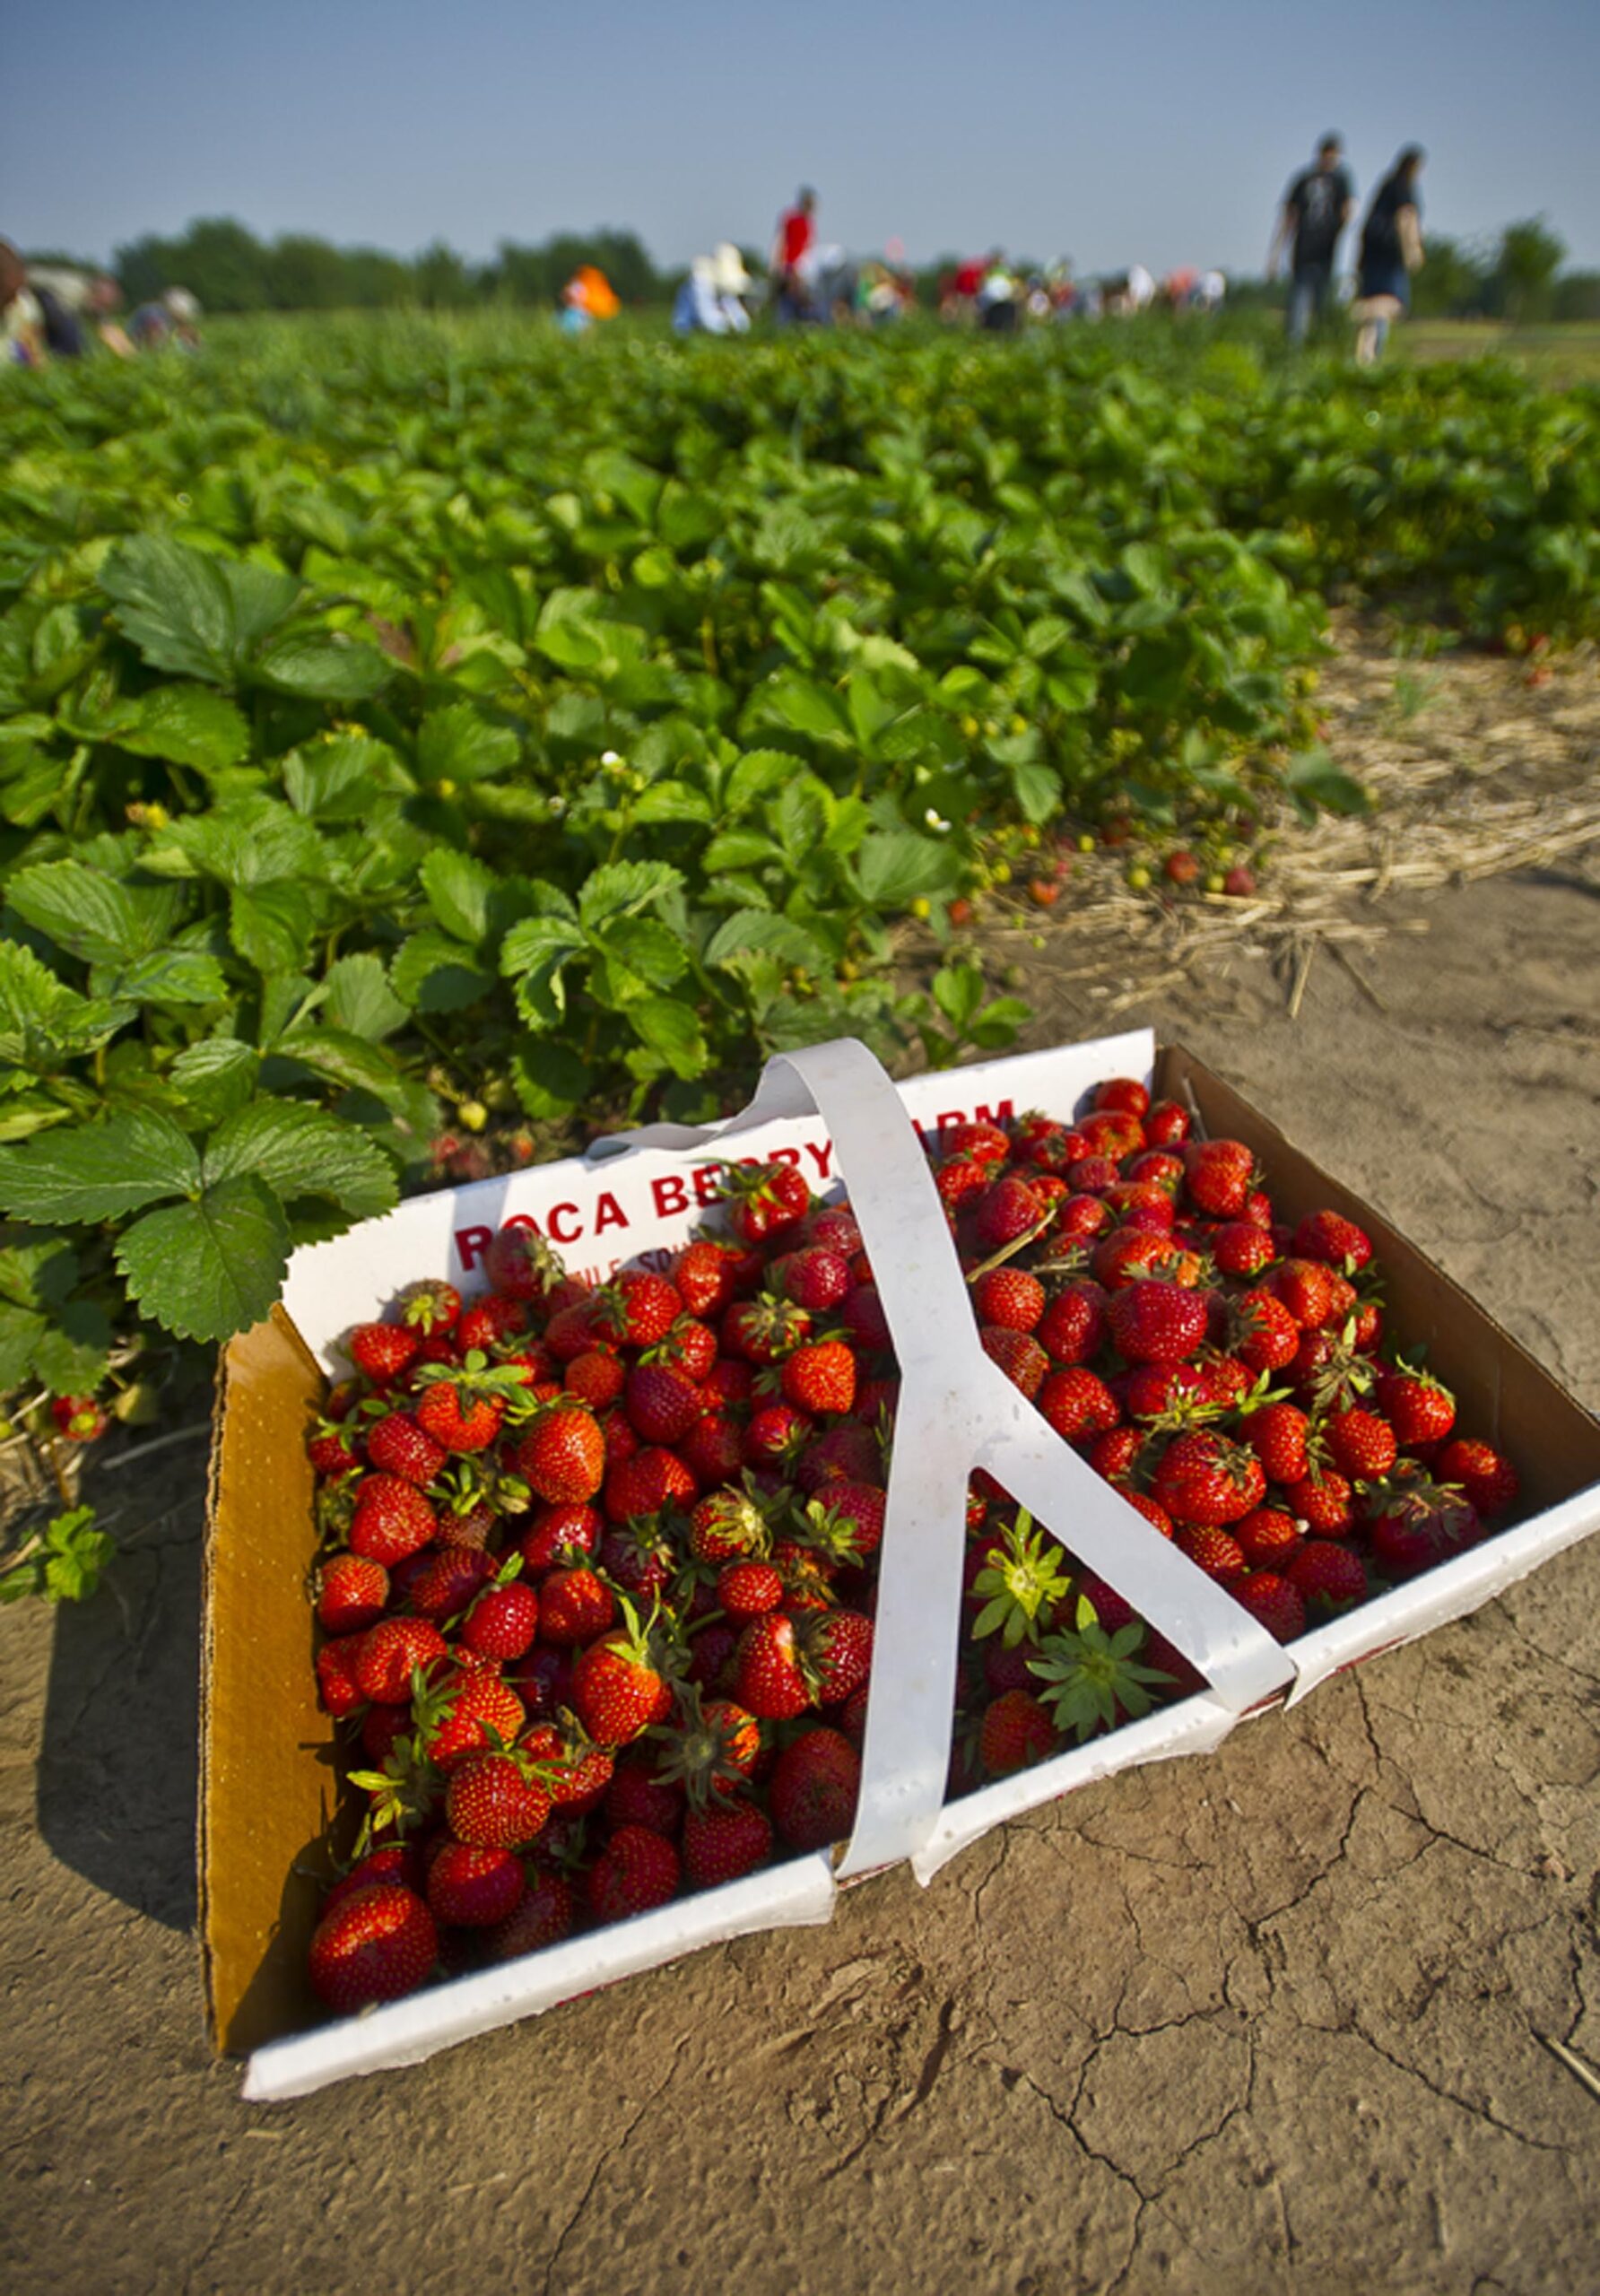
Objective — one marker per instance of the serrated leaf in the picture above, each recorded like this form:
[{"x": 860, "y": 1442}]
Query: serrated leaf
[
  {"x": 191, "y": 611},
  {"x": 360, "y": 999},
  {"x": 459, "y": 891},
  {"x": 754, "y": 775},
  {"x": 73, "y": 1352},
  {"x": 338, "y": 780},
  {"x": 271, "y": 925},
  {"x": 534, "y": 954},
  {"x": 619, "y": 889},
  {"x": 206, "y": 1269},
  {"x": 323, "y": 666},
  {"x": 168, "y": 977},
  {"x": 738, "y": 848},
  {"x": 336, "y": 1053},
  {"x": 460, "y": 745},
  {"x": 303, "y": 1151},
  {"x": 98, "y": 1172},
  {"x": 958, "y": 992},
  {"x": 187, "y": 725},
  {"x": 896, "y": 866},
  {"x": 753, "y": 931},
  {"x": 38, "y": 1272},
  {"x": 20, "y": 1330},
  {"x": 550, "y": 1080},
  {"x": 255, "y": 841},
  {"x": 645, "y": 948},
  {"x": 671, "y": 1028},
  {"x": 214, "y": 1076},
  {"x": 673, "y": 801},
  {"x": 432, "y": 973},
  {"x": 91, "y": 915}
]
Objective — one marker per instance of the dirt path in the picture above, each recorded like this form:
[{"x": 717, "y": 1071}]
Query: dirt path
[{"x": 1262, "y": 2022}]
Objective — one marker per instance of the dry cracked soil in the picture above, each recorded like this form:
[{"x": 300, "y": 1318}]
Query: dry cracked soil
[{"x": 1272, "y": 2019}]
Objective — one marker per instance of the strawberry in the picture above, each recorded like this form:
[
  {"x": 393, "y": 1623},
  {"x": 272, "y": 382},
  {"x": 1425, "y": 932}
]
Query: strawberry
[
  {"x": 397, "y": 1863},
  {"x": 1130, "y": 1254},
  {"x": 558, "y": 1533},
  {"x": 469, "y": 1888},
  {"x": 1074, "y": 1324},
  {"x": 619, "y": 1687},
  {"x": 815, "y": 1278},
  {"x": 725, "y": 1841},
  {"x": 1215, "y": 1551},
  {"x": 1239, "y": 1247},
  {"x": 1115, "y": 1452},
  {"x": 458, "y": 1419},
  {"x": 336, "y": 1685},
  {"x": 640, "y": 1796},
  {"x": 1328, "y": 1237},
  {"x": 1113, "y": 1133},
  {"x": 985, "y": 1142},
  {"x": 1277, "y": 1603},
  {"x": 713, "y": 1450},
  {"x": 727, "y": 1524},
  {"x": 574, "y": 1772},
  {"x": 763, "y": 1330},
  {"x": 775, "y": 1434},
  {"x": 391, "y": 1652},
  {"x": 1019, "y": 1355},
  {"x": 744, "y": 1589},
  {"x": 376, "y": 1944},
  {"x": 847, "y": 1452},
  {"x": 384, "y": 1352},
  {"x": 1277, "y": 1433},
  {"x": 636, "y": 1871},
  {"x": 763, "y": 1200},
  {"x": 1417, "y": 1406},
  {"x": 652, "y": 1479},
  {"x": 488, "y": 1321},
  {"x": 861, "y": 1313},
  {"x": 1269, "y": 1538},
  {"x": 1006, "y": 1210},
  {"x": 638, "y": 1307},
  {"x": 1217, "y": 1177},
  {"x": 1015, "y": 1733},
  {"x": 1167, "y": 1123},
  {"x": 332, "y": 1448},
  {"x": 702, "y": 1275},
  {"x": 1009, "y": 1296},
  {"x": 1203, "y": 1478},
  {"x": 856, "y": 1511},
  {"x": 1323, "y": 1502},
  {"x": 814, "y": 1788},
  {"x": 819, "y": 1377},
  {"x": 78, "y": 1419},
  {"x": 596, "y": 1377},
  {"x": 836, "y": 1654},
  {"x": 767, "y": 1679},
  {"x": 1362, "y": 1446},
  {"x": 578, "y": 1329},
  {"x": 574, "y": 1606},
  {"x": 546, "y": 1916},
  {"x": 1328, "y": 1576},
  {"x": 430, "y": 1306},
  {"x": 1306, "y": 1288},
  {"x": 1486, "y": 1476},
  {"x": 503, "y": 1622},
  {"x": 1265, "y": 1335},
  {"x": 522, "y": 1264},
  {"x": 1418, "y": 1523},
  {"x": 1125, "y": 1094},
  {"x": 493, "y": 1802},
  {"x": 1077, "y": 1404},
  {"x": 392, "y": 1519},
  {"x": 398, "y": 1444},
  {"x": 1080, "y": 1217},
  {"x": 447, "y": 1581},
  {"x": 1152, "y": 1322},
  {"x": 661, "y": 1402},
  {"x": 350, "y": 1593},
  {"x": 562, "y": 1455}
]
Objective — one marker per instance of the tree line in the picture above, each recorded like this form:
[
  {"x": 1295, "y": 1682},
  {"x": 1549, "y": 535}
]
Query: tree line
[{"x": 1518, "y": 276}]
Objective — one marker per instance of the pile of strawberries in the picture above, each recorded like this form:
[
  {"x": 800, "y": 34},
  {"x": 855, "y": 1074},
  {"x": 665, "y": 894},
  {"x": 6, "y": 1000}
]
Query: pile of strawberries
[{"x": 600, "y": 1563}]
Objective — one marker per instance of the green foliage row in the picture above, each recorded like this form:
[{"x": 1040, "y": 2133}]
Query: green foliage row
[{"x": 411, "y": 728}]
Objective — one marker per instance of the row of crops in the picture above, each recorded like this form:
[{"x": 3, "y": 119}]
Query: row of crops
[{"x": 411, "y": 731}]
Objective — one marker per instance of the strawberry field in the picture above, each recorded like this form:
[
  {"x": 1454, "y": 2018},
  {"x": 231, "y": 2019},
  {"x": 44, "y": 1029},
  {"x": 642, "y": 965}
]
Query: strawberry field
[{"x": 422, "y": 748}]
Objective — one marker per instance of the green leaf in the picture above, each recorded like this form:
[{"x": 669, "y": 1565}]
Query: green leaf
[
  {"x": 754, "y": 775},
  {"x": 169, "y": 976},
  {"x": 752, "y": 932},
  {"x": 43, "y": 1022},
  {"x": 98, "y": 1172},
  {"x": 1038, "y": 789},
  {"x": 645, "y": 948},
  {"x": 550, "y": 1079},
  {"x": 895, "y": 867},
  {"x": 76, "y": 1552},
  {"x": 1316, "y": 784},
  {"x": 673, "y": 801},
  {"x": 621, "y": 887},
  {"x": 90, "y": 915},
  {"x": 339, "y": 780},
  {"x": 535, "y": 954},
  {"x": 215, "y": 1076},
  {"x": 346, "y": 1059},
  {"x": 738, "y": 848},
  {"x": 303, "y": 1151},
  {"x": 254, "y": 840},
  {"x": 73, "y": 1352},
  {"x": 20, "y": 1330},
  {"x": 432, "y": 973},
  {"x": 958, "y": 992},
  {"x": 459, "y": 891},
  {"x": 460, "y": 745},
  {"x": 324, "y": 665},
  {"x": 271, "y": 925},
  {"x": 671, "y": 1028},
  {"x": 187, "y": 725},
  {"x": 38, "y": 1272},
  {"x": 206, "y": 1269},
  {"x": 360, "y": 999},
  {"x": 193, "y": 612}
]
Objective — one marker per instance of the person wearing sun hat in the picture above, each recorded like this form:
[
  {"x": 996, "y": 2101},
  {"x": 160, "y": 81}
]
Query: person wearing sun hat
[{"x": 709, "y": 301}]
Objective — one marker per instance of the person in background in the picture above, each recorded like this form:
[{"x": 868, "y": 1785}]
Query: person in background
[
  {"x": 21, "y": 319},
  {"x": 1391, "y": 250},
  {"x": 588, "y": 296},
  {"x": 709, "y": 301},
  {"x": 793, "y": 244},
  {"x": 999, "y": 308},
  {"x": 1317, "y": 207},
  {"x": 174, "y": 318}
]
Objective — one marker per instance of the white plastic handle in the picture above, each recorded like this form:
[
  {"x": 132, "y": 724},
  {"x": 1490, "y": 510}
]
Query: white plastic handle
[{"x": 958, "y": 1411}]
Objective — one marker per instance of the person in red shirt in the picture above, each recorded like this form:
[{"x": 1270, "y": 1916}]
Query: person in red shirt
[{"x": 792, "y": 244}]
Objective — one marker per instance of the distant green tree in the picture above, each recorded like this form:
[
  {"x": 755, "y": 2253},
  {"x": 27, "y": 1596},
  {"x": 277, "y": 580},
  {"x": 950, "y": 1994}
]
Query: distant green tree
[
  {"x": 1530, "y": 256},
  {"x": 443, "y": 280},
  {"x": 1577, "y": 296},
  {"x": 1454, "y": 281},
  {"x": 307, "y": 274}
]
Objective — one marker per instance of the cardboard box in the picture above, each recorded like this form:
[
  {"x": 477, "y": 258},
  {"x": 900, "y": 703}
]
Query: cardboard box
[{"x": 263, "y": 1852}]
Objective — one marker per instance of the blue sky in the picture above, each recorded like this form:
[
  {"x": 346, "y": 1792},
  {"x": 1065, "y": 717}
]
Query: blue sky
[{"x": 1154, "y": 130}]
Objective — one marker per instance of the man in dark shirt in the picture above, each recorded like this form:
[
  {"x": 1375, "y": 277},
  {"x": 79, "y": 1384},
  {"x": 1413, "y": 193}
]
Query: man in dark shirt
[{"x": 1317, "y": 207}]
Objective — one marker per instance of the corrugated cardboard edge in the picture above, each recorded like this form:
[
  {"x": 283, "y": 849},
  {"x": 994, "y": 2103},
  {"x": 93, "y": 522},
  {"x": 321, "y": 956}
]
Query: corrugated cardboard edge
[{"x": 264, "y": 1809}]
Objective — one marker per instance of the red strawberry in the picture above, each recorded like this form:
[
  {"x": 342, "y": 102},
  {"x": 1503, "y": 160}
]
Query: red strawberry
[
  {"x": 819, "y": 1377},
  {"x": 574, "y": 1772},
  {"x": 618, "y": 1686},
  {"x": 78, "y": 1419},
  {"x": 458, "y": 1419},
  {"x": 636, "y": 1870},
  {"x": 1152, "y": 1322},
  {"x": 1417, "y": 1406},
  {"x": 546, "y": 1916},
  {"x": 653, "y": 1478},
  {"x": 1363, "y": 1445},
  {"x": 1239, "y": 1247},
  {"x": 562, "y": 1455},
  {"x": 1074, "y": 1324},
  {"x": 1419, "y": 1523},
  {"x": 522, "y": 1264},
  {"x": 488, "y": 1321},
  {"x": 1327, "y": 1236},
  {"x": 1269, "y": 1538},
  {"x": 847, "y": 1452},
  {"x": 1217, "y": 1174},
  {"x": 640, "y": 1796},
  {"x": 861, "y": 1313},
  {"x": 775, "y": 1434},
  {"x": 986, "y": 1142},
  {"x": 1140, "y": 1203},
  {"x": 725, "y": 1841},
  {"x": 1080, "y": 1217},
  {"x": 1328, "y": 1576},
  {"x": 744, "y": 1589},
  {"x": 398, "y": 1444},
  {"x": 1008, "y": 1208},
  {"x": 1215, "y": 1551},
  {"x": 1016, "y": 1732},
  {"x": 596, "y": 1377},
  {"x": 815, "y": 1278},
  {"x": 473, "y": 1889},
  {"x": 713, "y": 1450},
  {"x": 836, "y": 1654},
  {"x": 336, "y": 1685},
  {"x": 503, "y": 1622},
  {"x": 376, "y": 1944},
  {"x": 763, "y": 1200},
  {"x": 447, "y": 1581},
  {"x": 1275, "y": 1602},
  {"x": 760, "y": 1331},
  {"x": 1203, "y": 1478},
  {"x": 392, "y": 1519},
  {"x": 1009, "y": 1296},
  {"x": 663, "y": 1401},
  {"x": 857, "y": 1508},
  {"x": 389, "y": 1654},
  {"x": 332, "y": 1449},
  {"x": 1277, "y": 1433},
  {"x": 1266, "y": 1335},
  {"x": 1325, "y": 1502},
  {"x": 767, "y": 1679},
  {"x": 814, "y": 1788},
  {"x": 558, "y": 1531},
  {"x": 1077, "y": 1404},
  {"x": 351, "y": 1591},
  {"x": 574, "y": 1606},
  {"x": 397, "y": 1863},
  {"x": 493, "y": 1802},
  {"x": 1306, "y": 1288},
  {"x": 1486, "y": 1476},
  {"x": 702, "y": 1275},
  {"x": 463, "y": 1715},
  {"x": 1167, "y": 1123},
  {"x": 1019, "y": 1355},
  {"x": 382, "y": 1351},
  {"x": 1124, "y": 1094},
  {"x": 727, "y": 1524}
]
